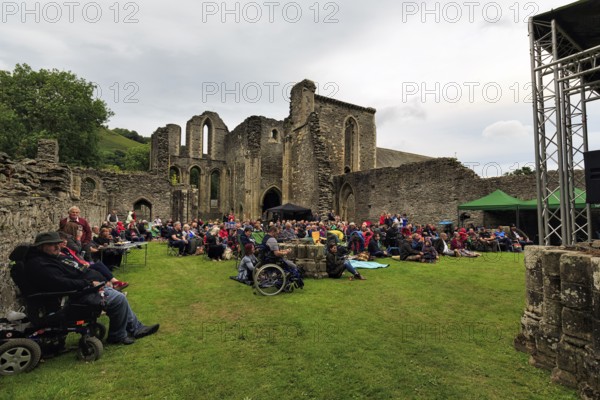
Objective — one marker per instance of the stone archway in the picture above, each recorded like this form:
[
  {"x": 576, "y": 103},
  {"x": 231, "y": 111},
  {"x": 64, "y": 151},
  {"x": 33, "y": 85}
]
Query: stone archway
[
  {"x": 347, "y": 203},
  {"x": 271, "y": 198},
  {"x": 143, "y": 210}
]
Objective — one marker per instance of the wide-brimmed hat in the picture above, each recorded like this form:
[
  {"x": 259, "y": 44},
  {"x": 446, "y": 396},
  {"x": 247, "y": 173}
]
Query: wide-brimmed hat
[{"x": 47, "y": 238}]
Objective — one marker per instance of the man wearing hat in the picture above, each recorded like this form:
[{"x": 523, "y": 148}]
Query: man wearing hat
[{"x": 48, "y": 273}]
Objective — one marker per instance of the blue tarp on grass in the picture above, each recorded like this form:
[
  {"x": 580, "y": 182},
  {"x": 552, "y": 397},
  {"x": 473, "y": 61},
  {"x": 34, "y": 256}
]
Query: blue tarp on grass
[{"x": 367, "y": 264}]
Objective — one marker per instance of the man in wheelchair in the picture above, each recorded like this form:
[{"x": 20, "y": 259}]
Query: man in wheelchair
[
  {"x": 46, "y": 272},
  {"x": 271, "y": 252}
]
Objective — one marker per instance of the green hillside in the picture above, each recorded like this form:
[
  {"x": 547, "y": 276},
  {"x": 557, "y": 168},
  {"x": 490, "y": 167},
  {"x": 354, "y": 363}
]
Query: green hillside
[{"x": 112, "y": 141}]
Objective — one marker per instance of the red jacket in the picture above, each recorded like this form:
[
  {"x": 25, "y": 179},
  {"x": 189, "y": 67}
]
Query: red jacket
[{"x": 87, "y": 231}]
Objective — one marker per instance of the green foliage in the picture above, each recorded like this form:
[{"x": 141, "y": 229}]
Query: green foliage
[
  {"x": 50, "y": 104},
  {"x": 173, "y": 177},
  {"x": 521, "y": 171},
  {"x": 132, "y": 135},
  {"x": 410, "y": 331},
  {"x": 138, "y": 158}
]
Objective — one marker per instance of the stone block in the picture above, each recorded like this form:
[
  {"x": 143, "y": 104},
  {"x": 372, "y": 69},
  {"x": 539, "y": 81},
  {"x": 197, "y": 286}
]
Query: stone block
[
  {"x": 596, "y": 304},
  {"x": 551, "y": 262},
  {"x": 533, "y": 255},
  {"x": 564, "y": 378},
  {"x": 543, "y": 361},
  {"x": 552, "y": 287},
  {"x": 534, "y": 300},
  {"x": 576, "y": 268},
  {"x": 569, "y": 358},
  {"x": 530, "y": 325},
  {"x": 547, "y": 339},
  {"x": 301, "y": 252},
  {"x": 595, "y": 268},
  {"x": 534, "y": 279},
  {"x": 577, "y": 324},
  {"x": 552, "y": 312},
  {"x": 575, "y": 296},
  {"x": 308, "y": 265},
  {"x": 596, "y": 335}
]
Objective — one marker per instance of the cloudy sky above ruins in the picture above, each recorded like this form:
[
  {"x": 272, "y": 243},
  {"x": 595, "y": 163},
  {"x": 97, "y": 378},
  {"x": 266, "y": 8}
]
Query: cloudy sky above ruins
[{"x": 447, "y": 78}]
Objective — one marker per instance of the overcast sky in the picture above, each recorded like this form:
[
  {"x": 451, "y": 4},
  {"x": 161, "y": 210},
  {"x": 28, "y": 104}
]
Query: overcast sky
[{"x": 448, "y": 79}]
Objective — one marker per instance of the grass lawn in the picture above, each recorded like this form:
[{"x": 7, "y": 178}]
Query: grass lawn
[{"x": 410, "y": 331}]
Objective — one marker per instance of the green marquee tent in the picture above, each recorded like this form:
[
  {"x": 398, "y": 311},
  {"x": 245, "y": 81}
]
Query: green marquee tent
[
  {"x": 497, "y": 200},
  {"x": 554, "y": 201}
]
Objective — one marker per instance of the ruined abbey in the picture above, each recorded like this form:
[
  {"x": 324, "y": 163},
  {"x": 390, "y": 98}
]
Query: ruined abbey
[{"x": 322, "y": 156}]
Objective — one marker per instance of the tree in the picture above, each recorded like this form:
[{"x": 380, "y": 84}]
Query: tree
[
  {"x": 521, "y": 171},
  {"x": 50, "y": 104},
  {"x": 138, "y": 158}
]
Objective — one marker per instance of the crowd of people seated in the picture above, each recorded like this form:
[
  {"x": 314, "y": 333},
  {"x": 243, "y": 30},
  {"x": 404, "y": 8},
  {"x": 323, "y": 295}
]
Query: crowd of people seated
[
  {"x": 392, "y": 235},
  {"x": 79, "y": 256}
]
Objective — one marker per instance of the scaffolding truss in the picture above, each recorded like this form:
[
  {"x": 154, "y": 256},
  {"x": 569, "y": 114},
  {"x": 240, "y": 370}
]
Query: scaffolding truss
[{"x": 565, "y": 78}]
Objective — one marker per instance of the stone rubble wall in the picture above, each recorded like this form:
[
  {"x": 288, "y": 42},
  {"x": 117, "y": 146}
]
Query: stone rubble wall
[
  {"x": 560, "y": 326},
  {"x": 36, "y": 194}
]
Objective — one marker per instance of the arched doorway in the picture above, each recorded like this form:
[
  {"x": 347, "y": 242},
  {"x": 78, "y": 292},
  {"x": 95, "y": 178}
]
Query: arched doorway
[
  {"x": 272, "y": 198},
  {"x": 143, "y": 210},
  {"x": 347, "y": 203}
]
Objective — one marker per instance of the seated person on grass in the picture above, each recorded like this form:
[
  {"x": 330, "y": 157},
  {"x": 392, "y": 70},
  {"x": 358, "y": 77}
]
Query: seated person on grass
[
  {"x": 247, "y": 265},
  {"x": 110, "y": 257},
  {"x": 503, "y": 239},
  {"x": 47, "y": 273},
  {"x": 458, "y": 244},
  {"x": 442, "y": 247},
  {"x": 246, "y": 237},
  {"x": 430, "y": 255},
  {"x": 336, "y": 265},
  {"x": 374, "y": 247},
  {"x": 407, "y": 253},
  {"x": 178, "y": 239},
  {"x": 518, "y": 236},
  {"x": 76, "y": 260},
  {"x": 488, "y": 239}
]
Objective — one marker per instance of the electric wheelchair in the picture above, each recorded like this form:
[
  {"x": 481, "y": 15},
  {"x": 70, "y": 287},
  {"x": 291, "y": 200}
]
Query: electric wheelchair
[{"x": 48, "y": 319}]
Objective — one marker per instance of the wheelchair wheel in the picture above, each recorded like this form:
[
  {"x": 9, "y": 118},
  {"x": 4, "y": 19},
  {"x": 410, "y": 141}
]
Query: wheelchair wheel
[
  {"x": 19, "y": 355},
  {"x": 97, "y": 330},
  {"x": 269, "y": 279},
  {"x": 90, "y": 349}
]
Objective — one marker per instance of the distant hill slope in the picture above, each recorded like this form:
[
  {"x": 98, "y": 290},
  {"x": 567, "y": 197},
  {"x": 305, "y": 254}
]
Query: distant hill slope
[{"x": 112, "y": 141}]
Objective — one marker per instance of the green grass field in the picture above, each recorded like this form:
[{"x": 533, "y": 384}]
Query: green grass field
[{"x": 410, "y": 331}]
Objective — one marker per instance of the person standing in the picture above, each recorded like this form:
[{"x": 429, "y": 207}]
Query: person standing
[
  {"x": 74, "y": 216},
  {"x": 112, "y": 218}
]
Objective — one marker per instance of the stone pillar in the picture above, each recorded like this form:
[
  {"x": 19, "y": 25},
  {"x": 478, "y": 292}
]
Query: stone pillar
[{"x": 47, "y": 150}]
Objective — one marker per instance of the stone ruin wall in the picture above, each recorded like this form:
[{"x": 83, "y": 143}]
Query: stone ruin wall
[
  {"x": 560, "y": 326},
  {"x": 36, "y": 194},
  {"x": 427, "y": 191}
]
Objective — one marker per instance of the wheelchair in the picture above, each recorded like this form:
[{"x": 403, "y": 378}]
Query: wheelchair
[
  {"x": 273, "y": 276},
  {"x": 48, "y": 319}
]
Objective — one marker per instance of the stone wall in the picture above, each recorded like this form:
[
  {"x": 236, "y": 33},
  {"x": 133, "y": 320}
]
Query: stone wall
[
  {"x": 36, "y": 195},
  {"x": 426, "y": 191},
  {"x": 560, "y": 326}
]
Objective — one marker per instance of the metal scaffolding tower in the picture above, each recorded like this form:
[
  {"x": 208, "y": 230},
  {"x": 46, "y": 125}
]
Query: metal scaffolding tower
[{"x": 565, "y": 74}]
